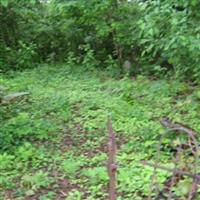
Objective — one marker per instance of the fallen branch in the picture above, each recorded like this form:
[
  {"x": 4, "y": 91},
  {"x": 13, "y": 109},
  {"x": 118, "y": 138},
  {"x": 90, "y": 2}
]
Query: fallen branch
[
  {"x": 192, "y": 134},
  {"x": 166, "y": 122},
  {"x": 176, "y": 171}
]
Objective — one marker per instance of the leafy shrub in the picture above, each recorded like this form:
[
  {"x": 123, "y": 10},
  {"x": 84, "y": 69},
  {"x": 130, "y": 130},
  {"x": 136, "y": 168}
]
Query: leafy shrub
[
  {"x": 169, "y": 37},
  {"x": 71, "y": 167},
  {"x": 21, "y": 127},
  {"x": 37, "y": 180},
  {"x": 21, "y": 58},
  {"x": 96, "y": 175},
  {"x": 6, "y": 161},
  {"x": 74, "y": 195},
  {"x": 25, "y": 55}
]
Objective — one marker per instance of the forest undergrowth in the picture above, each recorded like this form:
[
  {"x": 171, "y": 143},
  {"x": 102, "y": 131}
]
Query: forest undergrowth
[{"x": 56, "y": 138}]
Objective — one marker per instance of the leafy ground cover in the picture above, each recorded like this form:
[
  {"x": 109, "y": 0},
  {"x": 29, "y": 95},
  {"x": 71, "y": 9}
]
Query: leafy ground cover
[{"x": 53, "y": 144}]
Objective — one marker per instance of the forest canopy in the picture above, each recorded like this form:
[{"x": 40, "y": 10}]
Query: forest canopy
[{"x": 156, "y": 37}]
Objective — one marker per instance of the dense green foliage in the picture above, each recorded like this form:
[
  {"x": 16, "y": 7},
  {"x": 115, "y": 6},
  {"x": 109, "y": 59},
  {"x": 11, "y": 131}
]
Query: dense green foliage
[
  {"x": 79, "y": 61},
  {"x": 155, "y": 36},
  {"x": 53, "y": 143}
]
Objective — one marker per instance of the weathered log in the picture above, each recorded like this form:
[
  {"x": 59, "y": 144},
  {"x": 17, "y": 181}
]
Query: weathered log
[{"x": 13, "y": 97}]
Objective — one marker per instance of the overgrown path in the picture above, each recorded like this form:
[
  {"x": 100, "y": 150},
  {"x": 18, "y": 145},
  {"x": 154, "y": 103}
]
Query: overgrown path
[{"x": 53, "y": 144}]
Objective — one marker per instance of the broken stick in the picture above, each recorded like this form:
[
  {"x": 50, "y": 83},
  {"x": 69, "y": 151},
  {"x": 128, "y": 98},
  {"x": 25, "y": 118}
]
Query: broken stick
[{"x": 111, "y": 165}]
